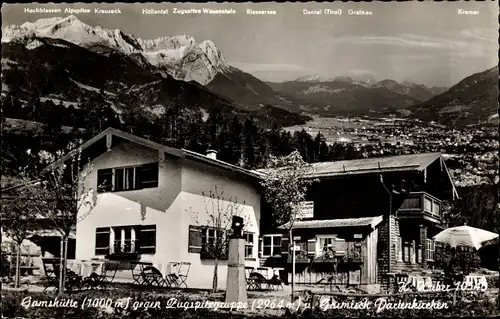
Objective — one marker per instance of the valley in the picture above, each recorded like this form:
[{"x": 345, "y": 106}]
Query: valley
[
  {"x": 471, "y": 152},
  {"x": 184, "y": 93}
]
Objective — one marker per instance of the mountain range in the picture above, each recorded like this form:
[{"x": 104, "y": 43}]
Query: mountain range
[
  {"x": 64, "y": 59},
  {"x": 180, "y": 57},
  {"x": 471, "y": 101},
  {"x": 356, "y": 96}
]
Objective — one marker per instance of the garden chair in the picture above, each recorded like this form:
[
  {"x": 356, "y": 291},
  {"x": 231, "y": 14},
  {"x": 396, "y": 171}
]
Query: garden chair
[
  {"x": 179, "y": 272},
  {"x": 137, "y": 270},
  {"x": 271, "y": 283},
  {"x": 51, "y": 267},
  {"x": 275, "y": 282},
  {"x": 154, "y": 278},
  {"x": 259, "y": 279},
  {"x": 104, "y": 279},
  {"x": 249, "y": 279}
]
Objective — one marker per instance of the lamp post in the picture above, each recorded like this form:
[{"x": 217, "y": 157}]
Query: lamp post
[{"x": 236, "y": 282}]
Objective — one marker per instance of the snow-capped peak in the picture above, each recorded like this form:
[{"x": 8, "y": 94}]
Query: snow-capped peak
[
  {"x": 309, "y": 78},
  {"x": 179, "y": 55}
]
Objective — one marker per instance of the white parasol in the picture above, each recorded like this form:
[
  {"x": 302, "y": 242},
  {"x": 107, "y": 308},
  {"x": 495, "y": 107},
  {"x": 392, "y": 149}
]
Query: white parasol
[{"x": 465, "y": 236}]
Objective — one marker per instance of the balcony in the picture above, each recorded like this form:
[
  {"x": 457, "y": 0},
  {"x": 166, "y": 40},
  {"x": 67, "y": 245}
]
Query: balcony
[
  {"x": 350, "y": 254},
  {"x": 420, "y": 204}
]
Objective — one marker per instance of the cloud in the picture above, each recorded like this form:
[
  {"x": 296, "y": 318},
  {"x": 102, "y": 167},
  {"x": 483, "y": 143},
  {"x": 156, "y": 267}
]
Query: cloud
[
  {"x": 469, "y": 43},
  {"x": 361, "y": 72},
  {"x": 267, "y": 67},
  {"x": 404, "y": 40},
  {"x": 480, "y": 34}
]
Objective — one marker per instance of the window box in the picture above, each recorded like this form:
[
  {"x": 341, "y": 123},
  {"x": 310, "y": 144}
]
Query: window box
[{"x": 124, "y": 256}]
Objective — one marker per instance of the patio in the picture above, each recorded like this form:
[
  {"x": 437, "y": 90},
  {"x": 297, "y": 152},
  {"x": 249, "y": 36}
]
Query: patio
[{"x": 105, "y": 273}]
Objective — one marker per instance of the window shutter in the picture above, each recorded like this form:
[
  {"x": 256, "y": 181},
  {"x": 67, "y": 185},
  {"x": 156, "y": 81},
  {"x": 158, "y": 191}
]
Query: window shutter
[
  {"x": 311, "y": 246},
  {"x": 260, "y": 247},
  {"x": 149, "y": 175},
  {"x": 102, "y": 237},
  {"x": 138, "y": 175},
  {"x": 104, "y": 180},
  {"x": 195, "y": 240},
  {"x": 285, "y": 244},
  {"x": 146, "y": 242}
]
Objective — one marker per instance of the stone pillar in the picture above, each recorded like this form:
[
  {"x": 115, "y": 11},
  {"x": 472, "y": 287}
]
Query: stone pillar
[
  {"x": 423, "y": 244},
  {"x": 236, "y": 286}
]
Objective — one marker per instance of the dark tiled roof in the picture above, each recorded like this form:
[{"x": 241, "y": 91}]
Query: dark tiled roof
[
  {"x": 416, "y": 162},
  {"x": 336, "y": 223}
]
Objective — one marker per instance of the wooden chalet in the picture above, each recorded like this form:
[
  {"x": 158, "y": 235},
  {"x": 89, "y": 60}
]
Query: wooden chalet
[{"x": 363, "y": 220}]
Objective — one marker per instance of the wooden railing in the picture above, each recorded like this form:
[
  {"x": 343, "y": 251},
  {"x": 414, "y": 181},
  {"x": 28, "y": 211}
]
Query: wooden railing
[
  {"x": 421, "y": 202},
  {"x": 127, "y": 247},
  {"x": 351, "y": 253}
]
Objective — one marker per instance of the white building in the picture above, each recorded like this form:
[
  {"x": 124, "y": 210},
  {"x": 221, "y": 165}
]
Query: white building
[{"x": 152, "y": 200}]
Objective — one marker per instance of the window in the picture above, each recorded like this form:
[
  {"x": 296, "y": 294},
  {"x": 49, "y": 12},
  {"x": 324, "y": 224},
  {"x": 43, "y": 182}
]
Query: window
[
  {"x": 427, "y": 205},
  {"x": 271, "y": 245},
  {"x": 324, "y": 243},
  {"x": 249, "y": 245},
  {"x": 436, "y": 208},
  {"x": 213, "y": 243},
  {"x": 127, "y": 178},
  {"x": 406, "y": 251},
  {"x": 399, "y": 248},
  {"x": 431, "y": 247},
  {"x": 126, "y": 239}
]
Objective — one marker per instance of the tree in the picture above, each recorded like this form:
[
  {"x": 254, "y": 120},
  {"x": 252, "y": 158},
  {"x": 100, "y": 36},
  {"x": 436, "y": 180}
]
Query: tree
[
  {"x": 250, "y": 132},
  {"x": 19, "y": 220},
  {"x": 285, "y": 187},
  {"x": 62, "y": 196},
  {"x": 216, "y": 221},
  {"x": 458, "y": 260}
]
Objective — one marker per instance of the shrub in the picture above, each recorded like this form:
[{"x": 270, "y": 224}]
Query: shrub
[{"x": 493, "y": 281}]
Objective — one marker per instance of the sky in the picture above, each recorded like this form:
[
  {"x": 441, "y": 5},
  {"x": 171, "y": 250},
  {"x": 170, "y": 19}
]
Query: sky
[{"x": 423, "y": 42}]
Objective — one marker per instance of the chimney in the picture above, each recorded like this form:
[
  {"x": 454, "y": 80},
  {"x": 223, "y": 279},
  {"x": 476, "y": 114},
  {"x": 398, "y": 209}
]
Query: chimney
[{"x": 212, "y": 154}]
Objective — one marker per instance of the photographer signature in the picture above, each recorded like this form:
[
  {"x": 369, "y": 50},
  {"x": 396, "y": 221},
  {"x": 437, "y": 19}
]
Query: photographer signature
[{"x": 439, "y": 287}]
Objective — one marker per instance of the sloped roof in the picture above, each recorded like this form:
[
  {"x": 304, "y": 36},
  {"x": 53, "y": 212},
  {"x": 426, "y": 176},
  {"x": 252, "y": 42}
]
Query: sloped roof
[
  {"x": 402, "y": 162},
  {"x": 416, "y": 162},
  {"x": 336, "y": 223},
  {"x": 180, "y": 153},
  {"x": 411, "y": 162}
]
